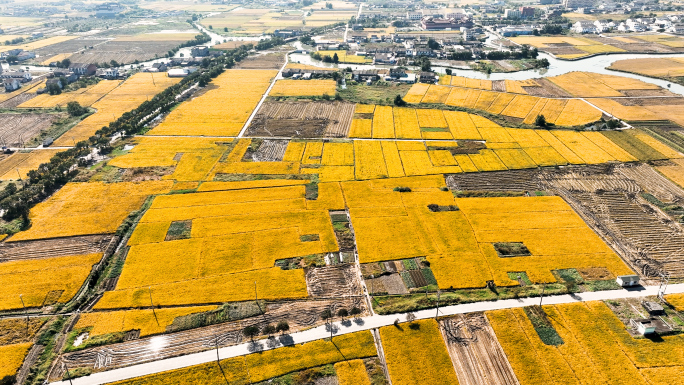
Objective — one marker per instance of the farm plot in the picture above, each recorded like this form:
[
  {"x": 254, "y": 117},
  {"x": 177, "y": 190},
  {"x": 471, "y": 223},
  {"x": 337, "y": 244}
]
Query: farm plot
[
  {"x": 262, "y": 61},
  {"x": 302, "y": 119},
  {"x": 475, "y": 352},
  {"x": 287, "y": 87},
  {"x": 585, "y": 84},
  {"x": 38, "y": 43},
  {"x": 657, "y": 67},
  {"x": 595, "y": 348},
  {"x": 674, "y": 171},
  {"x": 129, "y": 95},
  {"x": 345, "y": 57},
  {"x": 85, "y": 96},
  {"x": 79, "y": 209},
  {"x": 18, "y": 165},
  {"x": 193, "y": 158},
  {"x": 234, "y": 239},
  {"x": 11, "y": 358},
  {"x": 224, "y": 110},
  {"x": 59, "y": 247},
  {"x": 17, "y": 129},
  {"x": 471, "y": 233},
  {"x": 255, "y": 368},
  {"x": 416, "y": 354},
  {"x": 126, "y": 52},
  {"x": 45, "y": 281}
]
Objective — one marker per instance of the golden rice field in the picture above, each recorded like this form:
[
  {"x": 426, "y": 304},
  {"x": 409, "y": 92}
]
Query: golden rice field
[
  {"x": 235, "y": 239},
  {"x": 88, "y": 208},
  {"x": 344, "y": 57},
  {"x": 84, "y": 96},
  {"x": 459, "y": 243},
  {"x": 255, "y": 368},
  {"x": 416, "y": 354},
  {"x": 30, "y": 88},
  {"x": 225, "y": 107},
  {"x": 677, "y": 300},
  {"x": 18, "y": 165},
  {"x": 43, "y": 281},
  {"x": 583, "y": 44},
  {"x": 287, "y": 87},
  {"x": 129, "y": 95},
  {"x": 146, "y": 321},
  {"x": 675, "y": 171},
  {"x": 199, "y": 156},
  {"x": 596, "y": 348},
  {"x": 11, "y": 358},
  {"x": 352, "y": 373},
  {"x": 562, "y": 112},
  {"x": 38, "y": 43},
  {"x": 658, "y": 67}
]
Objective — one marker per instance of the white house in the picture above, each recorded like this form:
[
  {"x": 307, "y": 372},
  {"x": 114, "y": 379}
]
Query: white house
[
  {"x": 676, "y": 28},
  {"x": 603, "y": 25},
  {"x": 414, "y": 15},
  {"x": 11, "y": 84},
  {"x": 584, "y": 27}
]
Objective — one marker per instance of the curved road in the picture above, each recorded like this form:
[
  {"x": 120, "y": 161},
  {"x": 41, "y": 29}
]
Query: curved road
[{"x": 367, "y": 323}]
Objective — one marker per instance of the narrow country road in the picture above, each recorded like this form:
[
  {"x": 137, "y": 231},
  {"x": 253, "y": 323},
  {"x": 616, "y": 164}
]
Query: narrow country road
[{"x": 367, "y": 323}]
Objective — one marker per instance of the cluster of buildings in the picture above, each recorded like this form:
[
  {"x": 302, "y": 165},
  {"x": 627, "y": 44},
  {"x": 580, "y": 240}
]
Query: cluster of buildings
[
  {"x": 17, "y": 54},
  {"x": 12, "y": 80},
  {"x": 673, "y": 24}
]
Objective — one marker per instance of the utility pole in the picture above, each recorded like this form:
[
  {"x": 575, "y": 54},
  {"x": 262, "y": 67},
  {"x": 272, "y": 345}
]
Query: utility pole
[
  {"x": 21, "y": 297},
  {"x": 68, "y": 374},
  {"x": 541, "y": 297},
  {"x": 439, "y": 293},
  {"x": 149, "y": 289}
]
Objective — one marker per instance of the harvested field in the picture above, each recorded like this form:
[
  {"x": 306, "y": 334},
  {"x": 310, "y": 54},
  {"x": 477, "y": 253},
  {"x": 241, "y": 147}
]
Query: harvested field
[
  {"x": 390, "y": 284},
  {"x": 270, "y": 151},
  {"x": 475, "y": 352},
  {"x": 17, "y": 129},
  {"x": 299, "y": 315},
  {"x": 232, "y": 44},
  {"x": 339, "y": 281},
  {"x": 513, "y": 180},
  {"x": 302, "y": 119},
  {"x": 262, "y": 61},
  {"x": 17, "y": 100},
  {"x": 124, "y": 52},
  {"x": 58, "y": 247}
]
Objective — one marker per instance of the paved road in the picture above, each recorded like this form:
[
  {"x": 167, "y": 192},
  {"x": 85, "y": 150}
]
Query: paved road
[{"x": 366, "y": 323}]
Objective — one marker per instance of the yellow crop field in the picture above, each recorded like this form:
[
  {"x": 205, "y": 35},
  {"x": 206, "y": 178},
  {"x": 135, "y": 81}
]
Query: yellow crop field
[
  {"x": 199, "y": 155},
  {"x": 370, "y": 163},
  {"x": 416, "y": 93},
  {"x": 129, "y": 95},
  {"x": 458, "y": 96},
  {"x": 383, "y": 122},
  {"x": 657, "y": 145},
  {"x": 406, "y": 123},
  {"x": 609, "y": 147},
  {"x": 577, "y": 113},
  {"x": 390, "y": 152},
  {"x": 361, "y": 128},
  {"x": 315, "y": 87},
  {"x": 600, "y": 48},
  {"x": 344, "y": 57},
  {"x": 677, "y": 300},
  {"x": 459, "y": 241},
  {"x": 460, "y": 81},
  {"x": 364, "y": 108},
  {"x": 581, "y": 84},
  {"x": 313, "y": 153},
  {"x": 416, "y": 354},
  {"x": 143, "y": 320},
  {"x": 658, "y": 67},
  {"x": 11, "y": 358},
  {"x": 255, "y": 368},
  {"x": 583, "y": 147},
  {"x": 34, "y": 45},
  {"x": 471, "y": 98},
  {"x": 236, "y": 236},
  {"x": 561, "y": 148},
  {"x": 352, "y": 373},
  {"x": 338, "y": 154},
  {"x": 22, "y": 163},
  {"x": 616, "y": 109},
  {"x": 500, "y": 103},
  {"x": 461, "y": 125},
  {"x": 590, "y": 331},
  {"x": 431, "y": 119},
  {"x": 221, "y": 111},
  {"x": 535, "y": 111},
  {"x": 543, "y": 41},
  {"x": 436, "y": 94},
  {"x": 552, "y": 109},
  {"x": 85, "y": 96},
  {"x": 487, "y": 160},
  {"x": 675, "y": 171},
  {"x": 76, "y": 209},
  {"x": 57, "y": 279},
  {"x": 521, "y": 106},
  {"x": 515, "y": 158}
]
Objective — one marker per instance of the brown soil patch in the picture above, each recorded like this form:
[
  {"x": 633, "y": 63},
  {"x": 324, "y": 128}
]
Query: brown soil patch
[
  {"x": 650, "y": 101},
  {"x": 302, "y": 119},
  {"x": 58, "y": 247},
  {"x": 595, "y": 273},
  {"x": 552, "y": 89},
  {"x": 637, "y": 93},
  {"x": 273, "y": 60}
]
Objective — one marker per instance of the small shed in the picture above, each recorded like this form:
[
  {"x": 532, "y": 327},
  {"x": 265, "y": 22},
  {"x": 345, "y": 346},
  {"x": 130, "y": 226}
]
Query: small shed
[
  {"x": 643, "y": 326},
  {"x": 653, "y": 308},
  {"x": 47, "y": 141},
  {"x": 627, "y": 280}
]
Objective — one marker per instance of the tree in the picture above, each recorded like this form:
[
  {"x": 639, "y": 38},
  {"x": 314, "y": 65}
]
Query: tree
[
  {"x": 282, "y": 327},
  {"x": 12, "y": 59},
  {"x": 335, "y": 58},
  {"x": 251, "y": 332},
  {"x": 211, "y": 27},
  {"x": 355, "y": 311},
  {"x": 448, "y": 71},
  {"x": 329, "y": 5},
  {"x": 326, "y": 315},
  {"x": 432, "y": 44},
  {"x": 268, "y": 330},
  {"x": 342, "y": 313},
  {"x": 540, "y": 121},
  {"x": 225, "y": 29},
  {"x": 74, "y": 108},
  {"x": 399, "y": 102},
  {"x": 64, "y": 63},
  {"x": 53, "y": 89},
  {"x": 114, "y": 63},
  {"x": 410, "y": 317}
]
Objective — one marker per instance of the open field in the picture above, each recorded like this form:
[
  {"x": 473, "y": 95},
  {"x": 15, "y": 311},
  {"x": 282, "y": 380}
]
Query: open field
[
  {"x": 287, "y": 87},
  {"x": 234, "y": 93},
  {"x": 344, "y": 57},
  {"x": 221, "y": 235},
  {"x": 38, "y": 43},
  {"x": 16, "y": 129},
  {"x": 566, "y": 47},
  {"x": 11, "y": 358},
  {"x": 302, "y": 119},
  {"x": 416, "y": 354},
  {"x": 77, "y": 209},
  {"x": 595, "y": 348},
  {"x": 84, "y": 96},
  {"x": 129, "y": 95},
  {"x": 657, "y": 67},
  {"x": 18, "y": 165},
  {"x": 269, "y": 364},
  {"x": 43, "y": 281}
]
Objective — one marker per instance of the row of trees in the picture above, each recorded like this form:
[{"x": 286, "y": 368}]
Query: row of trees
[
  {"x": 282, "y": 326},
  {"x": 64, "y": 166}
]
